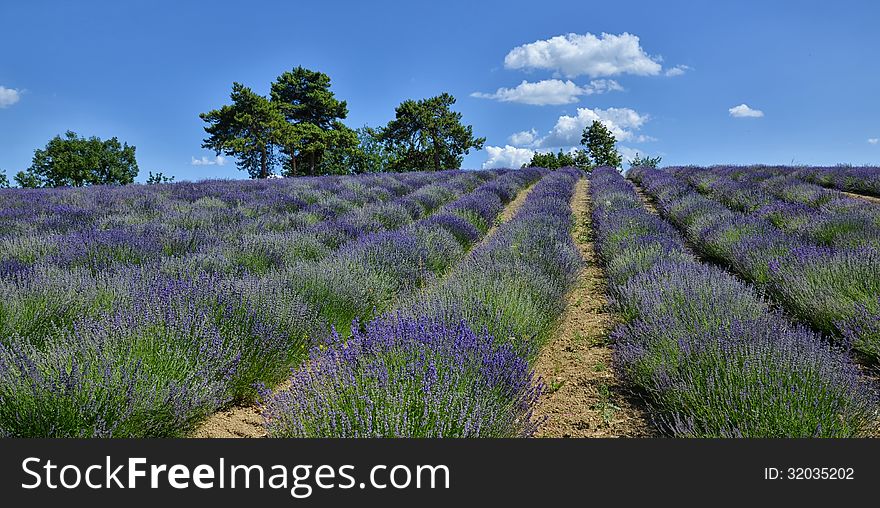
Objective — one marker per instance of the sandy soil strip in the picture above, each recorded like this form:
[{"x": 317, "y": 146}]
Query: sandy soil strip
[
  {"x": 238, "y": 421},
  {"x": 246, "y": 421},
  {"x": 509, "y": 211},
  {"x": 583, "y": 397},
  {"x": 872, "y": 199},
  {"x": 646, "y": 200}
]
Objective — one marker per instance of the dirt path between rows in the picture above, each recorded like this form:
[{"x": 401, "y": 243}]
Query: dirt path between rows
[
  {"x": 583, "y": 397},
  {"x": 237, "y": 421},
  {"x": 646, "y": 200},
  {"x": 872, "y": 199},
  {"x": 247, "y": 422}
]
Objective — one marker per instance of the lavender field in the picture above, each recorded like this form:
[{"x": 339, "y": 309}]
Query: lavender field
[{"x": 742, "y": 302}]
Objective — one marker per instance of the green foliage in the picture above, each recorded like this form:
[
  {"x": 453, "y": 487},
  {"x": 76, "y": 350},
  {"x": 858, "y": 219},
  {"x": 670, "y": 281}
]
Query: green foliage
[
  {"x": 317, "y": 136},
  {"x": 72, "y": 161},
  {"x": 338, "y": 152},
  {"x": 426, "y": 134},
  {"x": 549, "y": 160},
  {"x": 4, "y": 182},
  {"x": 27, "y": 180},
  {"x": 300, "y": 126},
  {"x": 304, "y": 96},
  {"x": 644, "y": 162},
  {"x": 249, "y": 129},
  {"x": 370, "y": 155},
  {"x": 600, "y": 142},
  {"x": 159, "y": 177}
]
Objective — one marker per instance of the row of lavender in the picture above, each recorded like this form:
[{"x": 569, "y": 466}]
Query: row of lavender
[
  {"x": 453, "y": 360},
  {"x": 859, "y": 179},
  {"x": 134, "y": 351},
  {"x": 706, "y": 350},
  {"x": 222, "y": 227},
  {"x": 835, "y": 289},
  {"x": 821, "y": 216}
]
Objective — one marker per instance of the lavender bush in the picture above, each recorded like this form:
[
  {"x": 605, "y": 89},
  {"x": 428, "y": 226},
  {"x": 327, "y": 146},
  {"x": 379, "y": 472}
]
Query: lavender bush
[
  {"x": 708, "y": 353},
  {"x": 137, "y": 311},
  {"x": 424, "y": 370},
  {"x": 408, "y": 378},
  {"x": 834, "y": 288}
]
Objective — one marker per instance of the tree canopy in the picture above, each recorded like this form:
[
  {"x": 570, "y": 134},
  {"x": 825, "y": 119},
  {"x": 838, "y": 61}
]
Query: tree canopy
[
  {"x": 317, "y": 134},
  {"x": 73, "y": 161},
  {"x": 298, "y": 126},
  {"x": 159, "y": 177},
  {"x": 249, "y": 129},
  {"x": 600, "y": 143},
  {"x": 4, "y": 181},
  {"x": 549, "y": 160},
  {"x": 644, "y": 162},
  {"x": 427, "y": 134}
]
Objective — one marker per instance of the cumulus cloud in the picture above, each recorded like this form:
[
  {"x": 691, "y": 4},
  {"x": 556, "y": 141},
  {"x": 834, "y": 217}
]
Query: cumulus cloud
[
  {"x": 622, "y": 122},
  {"x": 678, "y": 70},
  {"x": 523, "y": 137},
  {"x": 744, "y": 111},
  {"x": 575, "y": 55},
  {"x": 628, "y": 153},
  {"x": 873, "y": 141},
  {"x": 550, "y": 92},
  {"x": 507, "y": 157},
  {"x": 602, "y": 86},
  {"x": 205, "y": 161},
  {"x": 9, "y": 96}
]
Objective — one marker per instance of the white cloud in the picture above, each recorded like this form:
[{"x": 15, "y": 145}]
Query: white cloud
[
  {"x": 678, "y": 70},
  {"x": 550, "y": 92},
  {"x": 575, "y": 55},
  {"x": 743, "y": 111},
  {"x": 643, "y": 138},
  {"x": 873, "y": 141},
  {"x": 9, "y": 96},
  {"x": 523, "y": 137},
  {"x": 205, "y": 161},
  {"x": 627, "y": 153},
  {"x": 620, "y": 121},
  {"x": 602, "y": 86},
  {"x": 507, "y": 157}
]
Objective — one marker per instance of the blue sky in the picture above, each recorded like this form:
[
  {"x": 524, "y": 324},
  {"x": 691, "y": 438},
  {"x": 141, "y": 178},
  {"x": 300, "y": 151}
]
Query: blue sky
[{"x": 143, "y": 71}]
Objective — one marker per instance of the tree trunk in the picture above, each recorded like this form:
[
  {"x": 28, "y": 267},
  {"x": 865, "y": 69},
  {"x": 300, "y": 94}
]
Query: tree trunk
[
  {"x": 292, "y": 161},
  {"x": 312, "y": 163},
  {"x": 264, "y": 163},
  {"x": 436, "y": 152}
]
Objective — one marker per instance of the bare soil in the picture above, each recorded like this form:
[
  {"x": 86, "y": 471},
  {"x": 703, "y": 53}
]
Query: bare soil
[
  {"x": 872, "y": 199},
  {"x": 646, "y": 200},
  {"x": 584, "y": 397},
  {"x": 247, "y": 422},
  {"x": 238, "y": 421},
  {"x": 509, "y": 211}
]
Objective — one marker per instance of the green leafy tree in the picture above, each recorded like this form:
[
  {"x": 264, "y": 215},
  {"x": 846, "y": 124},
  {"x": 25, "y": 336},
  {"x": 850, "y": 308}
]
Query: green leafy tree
[
  {"x": 600, "y": 143},
  {"x": 159, "y": 177},
  {"x": 582, "y": 160},
  {"x": 317, "y": 135},
  {"x": 644, "y": 162},
  {"x": 27, "y": 180},
  {"x": 72, "y": 161},
  {"x": 371, "y": 155},
  {"x": 427, "y": 134},
  {"x": 4, "y": 181},
  {"x": 365, "y": 155},
  {"x": 249, "y": 130},
  {"x": 549, "y": 160}
]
